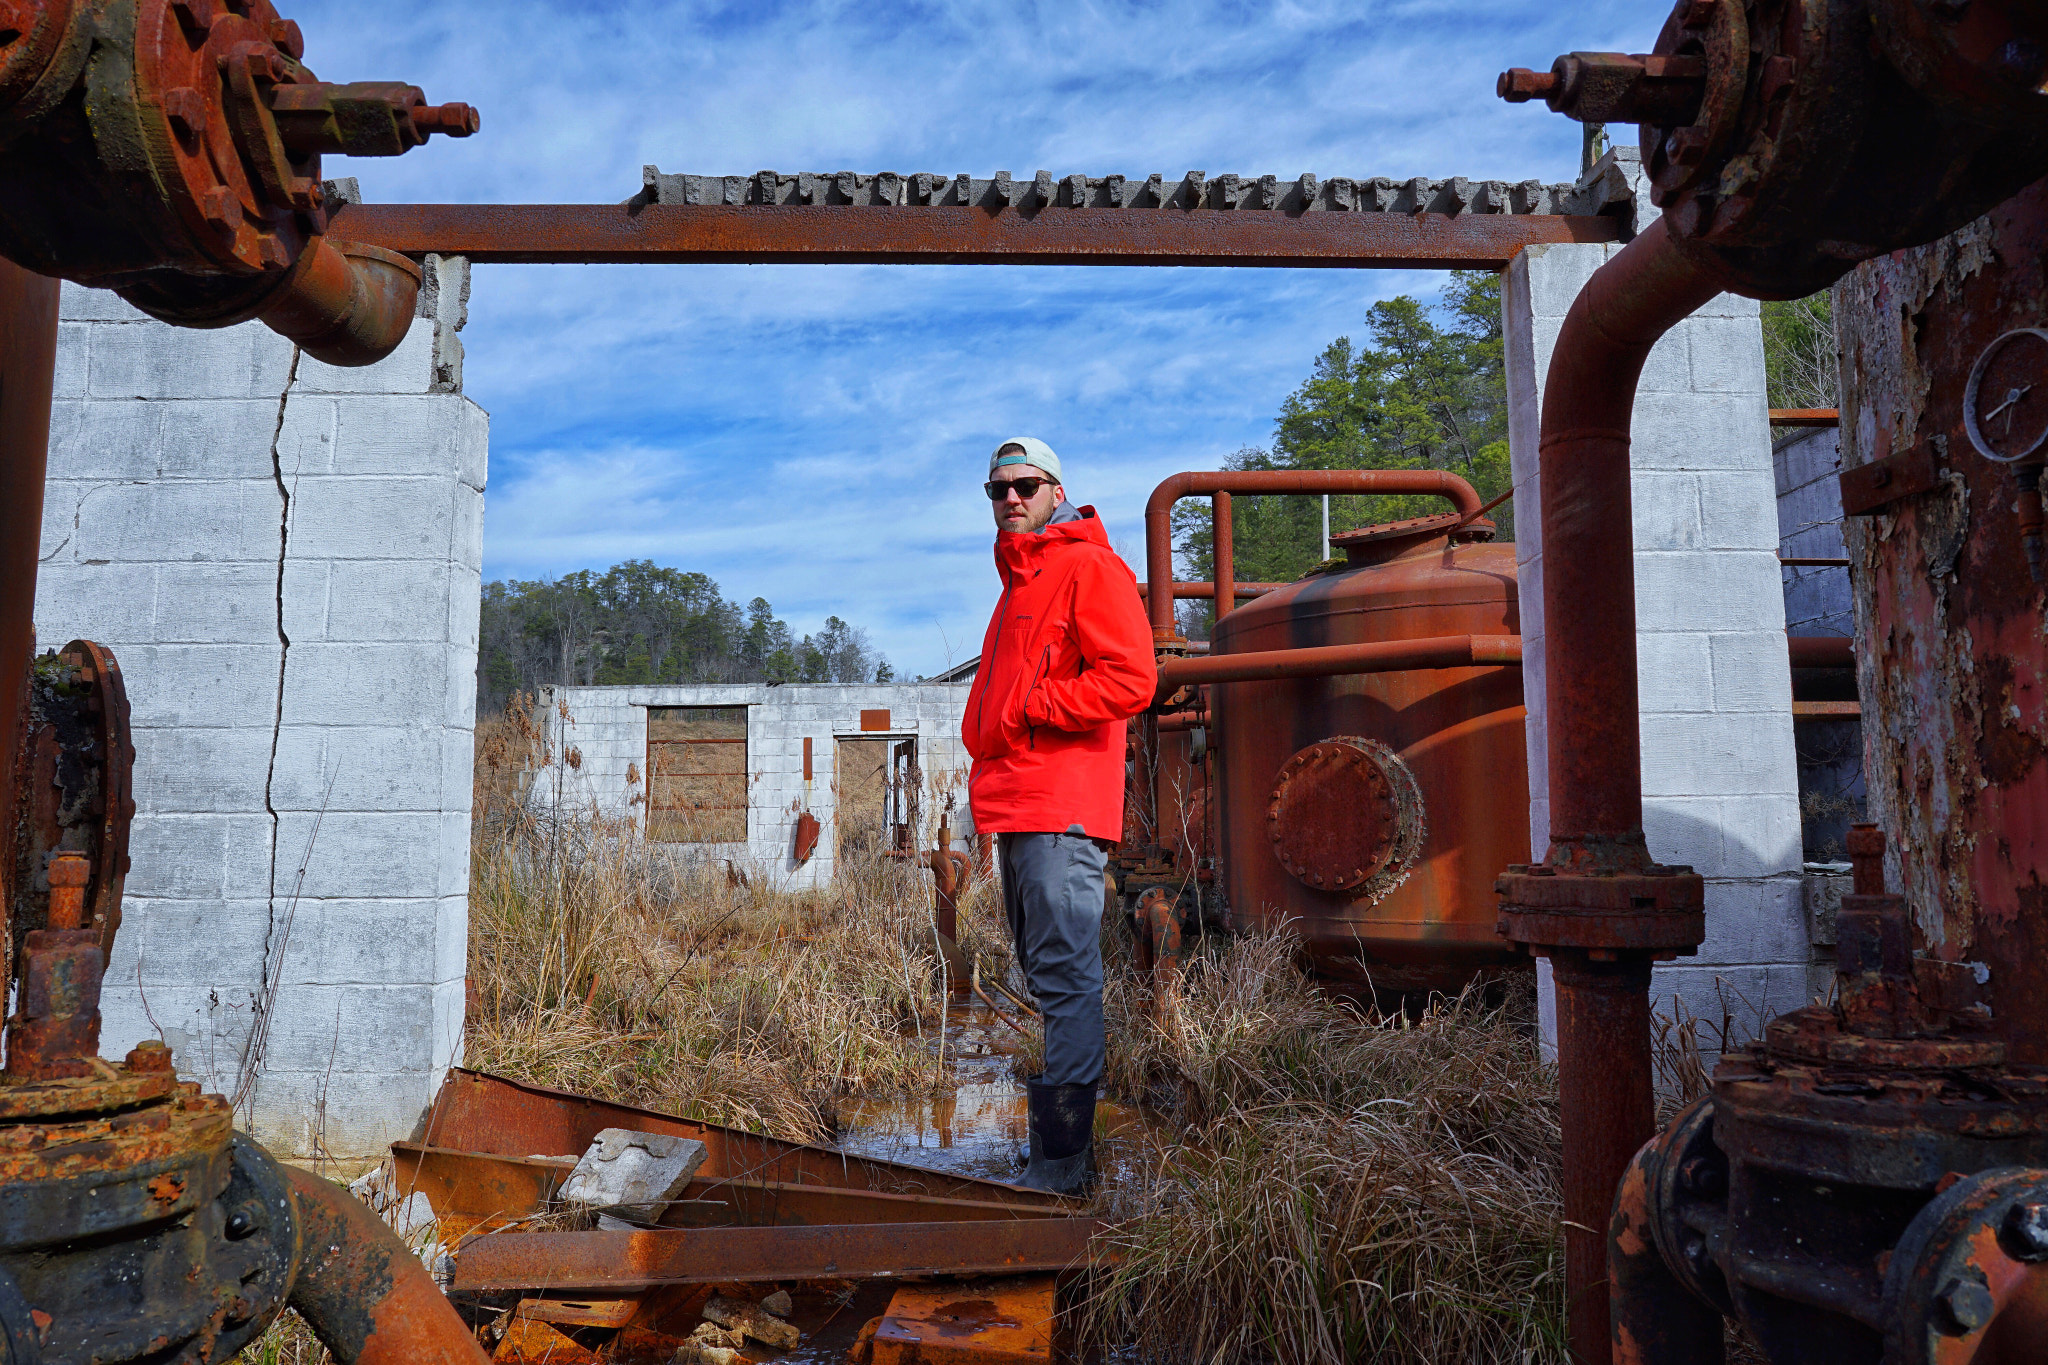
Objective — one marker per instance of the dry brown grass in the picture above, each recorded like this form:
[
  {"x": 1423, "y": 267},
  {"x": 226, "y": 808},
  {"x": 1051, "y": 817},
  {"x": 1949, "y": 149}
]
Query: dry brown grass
[
  {"x": 602, "y": 964},
  {"x": 1331, "y": 1186}
]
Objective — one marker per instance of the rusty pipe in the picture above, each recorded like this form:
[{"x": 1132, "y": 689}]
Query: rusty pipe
[
  {"x": 362, "y": 1291},
  {"x": 1207, "y": 591},
  {"x": 1183, "y": 720},
  {"x": 1376, "y": 656},
  {"x": 346, "y": 303},
  {"x": 1223, "y": 556},
  {"x": 1657, "y": 1320},
  {"x": 1589, "y": 598},
  {"x": 1593, "y": 734},
  {"x": 28, "y": 367},
  {"x": 1159, "y": 509}
]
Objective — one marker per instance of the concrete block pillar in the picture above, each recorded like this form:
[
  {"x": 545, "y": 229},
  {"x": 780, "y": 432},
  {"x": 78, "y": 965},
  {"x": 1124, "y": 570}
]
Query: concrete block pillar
[
  {"x": 1720, "y": 783},
  {"x": 286, "y": 557}
]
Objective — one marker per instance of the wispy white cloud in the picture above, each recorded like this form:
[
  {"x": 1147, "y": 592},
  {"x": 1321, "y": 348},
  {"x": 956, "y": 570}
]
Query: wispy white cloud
[{"x": 814, "y": 434}]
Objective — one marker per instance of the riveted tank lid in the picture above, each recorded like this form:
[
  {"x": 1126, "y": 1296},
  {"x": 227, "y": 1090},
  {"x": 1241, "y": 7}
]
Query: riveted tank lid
[{"x": 1377, "y": 544}]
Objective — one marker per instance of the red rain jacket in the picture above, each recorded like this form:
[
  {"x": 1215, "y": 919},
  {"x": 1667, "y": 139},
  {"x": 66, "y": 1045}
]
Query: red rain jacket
[{"x": 1066, "y": 661}]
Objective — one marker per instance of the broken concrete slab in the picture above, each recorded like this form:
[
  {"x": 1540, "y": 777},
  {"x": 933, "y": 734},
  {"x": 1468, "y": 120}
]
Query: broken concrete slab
[{"x": 633, "y": 1175}]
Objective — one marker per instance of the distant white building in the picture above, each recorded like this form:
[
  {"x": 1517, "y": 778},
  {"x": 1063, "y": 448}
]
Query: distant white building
[{"x": 729, "y": 770}]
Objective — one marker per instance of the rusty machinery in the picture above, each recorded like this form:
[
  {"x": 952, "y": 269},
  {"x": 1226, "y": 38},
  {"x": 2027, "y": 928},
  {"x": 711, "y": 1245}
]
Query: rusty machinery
[
  {"x": 1861, "y": 1184},
  {"x": 170, "y": 150},
  {"x": 1368, "y": 769}
]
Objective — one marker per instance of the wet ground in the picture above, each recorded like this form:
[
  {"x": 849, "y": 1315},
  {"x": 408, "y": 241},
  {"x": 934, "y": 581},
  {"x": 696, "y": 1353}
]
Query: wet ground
[{"x": 979, "y": 1128}]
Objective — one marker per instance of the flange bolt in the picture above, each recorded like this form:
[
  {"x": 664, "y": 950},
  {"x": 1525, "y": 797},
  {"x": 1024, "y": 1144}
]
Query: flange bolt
[
  {"x": 2026, "y": 1231},
  {"x": 1969, "y": 1305},
  {"x": 240, "y": 1225},
  {"x": 149, "y": 1056},
  {"x": 1520, "y": 85}
]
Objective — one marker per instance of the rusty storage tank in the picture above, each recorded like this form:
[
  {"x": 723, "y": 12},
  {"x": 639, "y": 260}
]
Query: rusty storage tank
[{"x": 1371, "y": 812}]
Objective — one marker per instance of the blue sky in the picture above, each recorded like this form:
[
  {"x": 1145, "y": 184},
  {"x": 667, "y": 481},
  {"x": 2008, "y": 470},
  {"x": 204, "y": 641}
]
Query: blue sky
[{"x": 817, "y": 434}]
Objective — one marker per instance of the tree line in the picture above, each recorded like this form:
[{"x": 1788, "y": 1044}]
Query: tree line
[{"x": 638, "y": 622}]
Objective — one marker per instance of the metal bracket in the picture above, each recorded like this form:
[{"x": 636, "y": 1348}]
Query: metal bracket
[{"x": 1872, "y": 488}]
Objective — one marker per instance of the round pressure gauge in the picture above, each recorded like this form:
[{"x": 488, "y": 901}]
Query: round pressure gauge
[{"x": 2005, "y": 407}]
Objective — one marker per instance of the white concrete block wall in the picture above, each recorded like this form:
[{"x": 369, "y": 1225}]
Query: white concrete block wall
[
  {"x": 1817, "y": 599},
  {"x": 286, "y": 558},
  {"x": 608, "y": 730},
  {"x": 1720, "y": 785}
]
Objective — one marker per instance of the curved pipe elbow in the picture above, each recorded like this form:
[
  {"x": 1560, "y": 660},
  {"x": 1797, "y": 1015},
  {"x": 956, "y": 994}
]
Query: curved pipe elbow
[
  {"x": 346, "y": 303},
  {"x": 1253, "y": 482},
  {"x": 362, "y": 1290}
]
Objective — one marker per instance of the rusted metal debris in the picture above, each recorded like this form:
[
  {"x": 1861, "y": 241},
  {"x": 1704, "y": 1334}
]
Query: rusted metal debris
[
  {"x": 976, "y": 1322},
  {"x": 594, "y": 1261}
]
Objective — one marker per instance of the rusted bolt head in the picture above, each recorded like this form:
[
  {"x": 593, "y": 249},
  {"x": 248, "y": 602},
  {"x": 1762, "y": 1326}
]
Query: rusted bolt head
[
  {"x": 186, "y": 110},
  {"x": 2026, "y": 1231},
  {"x": 1968, "y": 1304},
  {"x": 149, "y": 1055},
  {"x": 288, "y": 39},
  {"x": 70, "y": 868},
  {"x": 1519, "y": 85},
  {"x": 449, "y": 120},
  {"x": 241, "y": 1224}
]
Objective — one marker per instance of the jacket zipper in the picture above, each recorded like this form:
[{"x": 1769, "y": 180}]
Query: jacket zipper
[{"x": 1031, "y": 729}]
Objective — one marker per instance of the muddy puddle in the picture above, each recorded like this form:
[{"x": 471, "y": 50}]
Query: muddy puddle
[{"x": 979, "y": 1128}]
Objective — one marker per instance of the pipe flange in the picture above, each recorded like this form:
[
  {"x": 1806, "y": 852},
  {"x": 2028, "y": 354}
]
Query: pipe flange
[
  {"x": 1975, "y": 1251},
  {"x": 1346, "y": 816},
  {"x": 1650, "y": 909},
  {"x": 1683, "y": 158}
]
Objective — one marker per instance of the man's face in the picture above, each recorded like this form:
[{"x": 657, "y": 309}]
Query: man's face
[{"x": 1018, "y": 513}]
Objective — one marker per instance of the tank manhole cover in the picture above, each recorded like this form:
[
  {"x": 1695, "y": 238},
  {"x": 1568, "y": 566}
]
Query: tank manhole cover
[{"x": 1346, "y": 815}]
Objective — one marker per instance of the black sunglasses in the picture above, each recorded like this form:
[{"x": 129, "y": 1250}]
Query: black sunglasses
[{"x": 1027, "y": 489}]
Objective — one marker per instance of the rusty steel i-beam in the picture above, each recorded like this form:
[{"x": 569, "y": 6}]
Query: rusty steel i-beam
[{"x": 600, "y": 234}]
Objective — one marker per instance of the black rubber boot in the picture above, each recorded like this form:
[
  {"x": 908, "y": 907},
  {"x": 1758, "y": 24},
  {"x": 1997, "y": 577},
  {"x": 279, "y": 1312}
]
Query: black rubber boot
[{"x": 1062, "y": 1137}]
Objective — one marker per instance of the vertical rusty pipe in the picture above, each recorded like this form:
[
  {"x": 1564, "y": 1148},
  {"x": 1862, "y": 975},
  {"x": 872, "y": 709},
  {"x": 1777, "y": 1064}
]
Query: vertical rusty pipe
[
  {"x": 1593, "y": 729},
  {"x": 1589, "y": 598},
  {"x": 1223, "y": 544},
  {"x": 1159, "y": 510},
  {"x": 1606, "y": 1112},
  {"x": 364, "y": 1294},
  {"x": 28, "y": 366}
]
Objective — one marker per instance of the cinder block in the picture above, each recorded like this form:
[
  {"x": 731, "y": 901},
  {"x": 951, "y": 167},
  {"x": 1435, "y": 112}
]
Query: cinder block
[
  {"x": 216, "y": 604},
  {"x": 1716, "y": 755},
  {"x": 358, "y": 767},
  {"x": 1686, "y": 831},
  {"x": 94, "y": 440},
  {"x": 1673, "y": 672},
  {"x": 1666, "y": 510},
  {"x": 365, "y": 517},
  {"x": 160, "y": 361},
  {"x": 451, "y": 939},
  {"x": 635, "y": 1173},
  {"x": 110, "y": 603},
  {"x": 454, "y": 853},
  {"x": 1740, "y": 511},
  {"x": 1727, "y": 354},
  {"x": 252, "y": 854},
  {"x": 360, "y": 684},
  {"x": 343, "y": 1114},
  {"x": 1731, "y": 1003},
  {"x": 199, "y": 685},
  {"x": 83, "y": 303},
  {"x": 177, "y": 857},
  {"x": 408, "y": 369},
  {"x": 72, "y": 372},
  {"x": 418, "y": 435},
  {"x": 450, "y": 1000},
  {"x": 1549, "y": 277},
  {"x": 1668, "y": 368},
  {"x": 1699, "y": 431},
  {"x": 218, "y": 438},
  {"x": 208, "y": 522},
  {"x": 375, "y": 942},
  {"x": 193, "y": 941},
  {"x": 1728, "y": 590},
  {"x": 1760, "y": 836},
  {"x": 305, "y": 601},
  {"x": 388, "y": 600},
  {"x": 1752, "y": 672},
  {"x": 1754, "y": 921},
  {"x": 186, "y": 771}
]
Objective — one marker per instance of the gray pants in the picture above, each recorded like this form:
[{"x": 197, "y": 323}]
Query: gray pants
[{"x": 1052, "y": 897}]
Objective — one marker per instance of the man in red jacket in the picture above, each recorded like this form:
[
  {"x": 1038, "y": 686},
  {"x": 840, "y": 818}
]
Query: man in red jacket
[{"x": 1066, "y": 662}]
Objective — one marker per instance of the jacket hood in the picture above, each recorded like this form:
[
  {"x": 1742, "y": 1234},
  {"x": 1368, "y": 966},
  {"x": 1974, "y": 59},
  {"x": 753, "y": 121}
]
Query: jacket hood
[{"x": 1021, "y": 554}]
